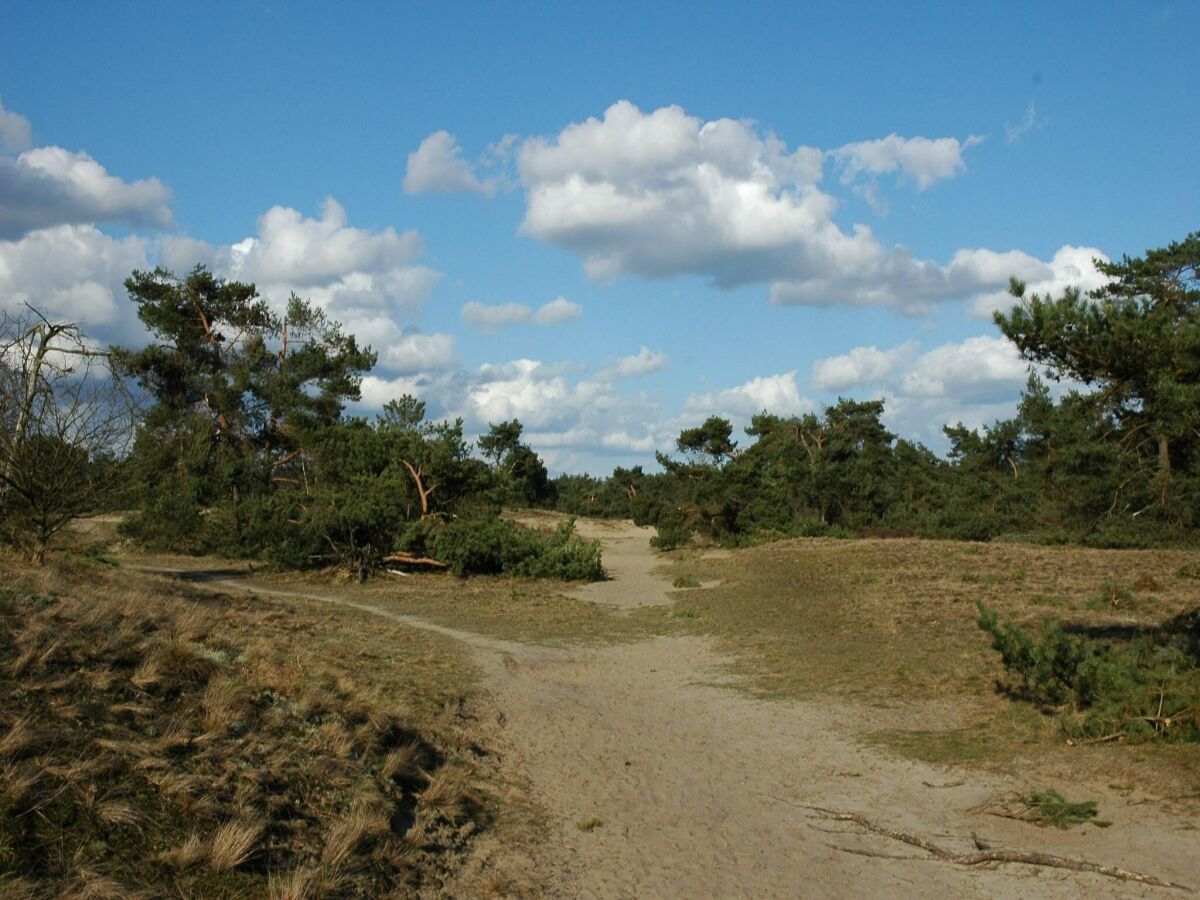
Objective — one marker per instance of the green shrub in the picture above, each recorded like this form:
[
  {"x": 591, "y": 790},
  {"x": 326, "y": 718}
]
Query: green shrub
[
  {"x": 672, "y": 529},
  {"x": 1145, "y": 686},
  {"x": 484, "y": 545}
]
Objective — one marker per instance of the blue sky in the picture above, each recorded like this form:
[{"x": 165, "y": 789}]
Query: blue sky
[{"x": 607, "y": 220}]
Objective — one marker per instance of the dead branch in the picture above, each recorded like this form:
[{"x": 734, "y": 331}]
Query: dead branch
[
  {"x": 422, "y": 491},
  {"x": 984, "y": 857},
  {"x": 1115, "y": 736},
  {"x": 283, "y": 460},
  {"x": 400, "y": 557}
]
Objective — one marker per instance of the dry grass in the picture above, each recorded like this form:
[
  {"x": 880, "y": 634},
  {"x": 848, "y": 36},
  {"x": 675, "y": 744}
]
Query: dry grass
[
  {"x": 152, "y": 734},
  {"x": 887, "y": 628},
  {"x": 232, "y": 844},
  {"x": 536, "y": 611}
]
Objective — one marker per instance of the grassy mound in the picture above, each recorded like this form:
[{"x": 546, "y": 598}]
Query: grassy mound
[{"x": 141, "y": 750}]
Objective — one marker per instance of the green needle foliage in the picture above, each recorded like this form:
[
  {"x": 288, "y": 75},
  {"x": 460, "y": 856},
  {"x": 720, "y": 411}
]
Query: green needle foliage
[
  {"x": 1052, "y": 808},
  {"x": 1141, "y": 685}
]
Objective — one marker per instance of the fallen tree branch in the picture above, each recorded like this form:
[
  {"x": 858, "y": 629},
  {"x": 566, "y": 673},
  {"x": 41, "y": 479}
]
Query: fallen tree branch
[
  {"x": 1115, "y": 736},
  {"x": 402, "y": 558},
  {"x": 984, "y": 857}
]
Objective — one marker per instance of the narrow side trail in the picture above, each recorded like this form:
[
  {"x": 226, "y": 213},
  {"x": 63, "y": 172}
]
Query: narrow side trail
[{"x": 659, "y": 781}]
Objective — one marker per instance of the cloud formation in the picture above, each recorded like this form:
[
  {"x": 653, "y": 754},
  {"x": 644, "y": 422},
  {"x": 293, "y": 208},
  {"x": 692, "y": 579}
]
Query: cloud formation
[
  {"x": 437, "y": 167},
  {"x": 495, "y": 317},
  {"x": 778, "y": 394},
  {"x": 1029, "y": 122},
  {"x": 644, "y": 362},
  {"x": 370, "y": 281},
  {"x": 1069, "y": 267},
  {"x": 343, "y": 269},
  {"x": 502, "y": 315},
  {"x": 15, "y": 133},
  {"x": 661, "y": 194},
  {"x": 73, "y": 272},
  {"x": 49, "y": 186},
  {"x": 860, "y": 366},
  {"x": 973, "y": 381},
  {"x": 919, "y": 159},
  {"x": 557, "y": 311}
]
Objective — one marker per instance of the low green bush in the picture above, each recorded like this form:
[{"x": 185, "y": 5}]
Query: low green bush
[
  {"x": 492, "y": 546},
  {"x": 1146, "y": 685}
]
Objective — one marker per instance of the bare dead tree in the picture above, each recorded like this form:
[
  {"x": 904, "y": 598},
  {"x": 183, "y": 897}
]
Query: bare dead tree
[{"x": 63, "y": 411}]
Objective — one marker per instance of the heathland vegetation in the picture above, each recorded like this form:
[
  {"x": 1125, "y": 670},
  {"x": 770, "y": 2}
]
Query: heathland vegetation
[{"x": 129, "y": 705}]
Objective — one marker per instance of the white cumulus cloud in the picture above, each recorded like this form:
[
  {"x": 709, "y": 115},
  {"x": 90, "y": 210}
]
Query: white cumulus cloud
[
  {"x": 49, "y": 186},
  {"x": 923, "y": 160},
  {"x": 370, "y": 281},
  {"x": 557, "y": 311},
  {"x": 860, "y": 366},
  {"x": 1070, "y": 267},
  {"x": 496, "y": 316},
  {"x": 437, "y": 167},
  {"x": 778, "y": 394},
  {"x": 973, "y": 381},
  {"x": 73, "y": 272},
  {"x": 662, "y": 193},
  {"x": 983, "y": 368},
  {"x": 644, "y": 362},
  {"x": 347, "y": 271},
  {"x": 15, "y": 133}
]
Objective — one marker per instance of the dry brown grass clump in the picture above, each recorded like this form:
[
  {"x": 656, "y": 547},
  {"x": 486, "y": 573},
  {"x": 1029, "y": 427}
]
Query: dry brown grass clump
[{"x": 169, "y": 738}]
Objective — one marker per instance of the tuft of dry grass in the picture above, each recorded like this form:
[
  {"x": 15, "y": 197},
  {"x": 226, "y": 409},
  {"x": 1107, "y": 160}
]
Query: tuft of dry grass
[
  {"x": 363, "y": 821},
  {"x": 301, "y": 883},
  {"x": 192, "y": 851},
  {"x": 403, "y": 763},
  {"x": 446, "y": 795},
  {"x": 224, "y": 701},
  {"x": 120, "y": 812},
  {"x": 232, "y": 844},
  {"x": 19, "y": 739}
]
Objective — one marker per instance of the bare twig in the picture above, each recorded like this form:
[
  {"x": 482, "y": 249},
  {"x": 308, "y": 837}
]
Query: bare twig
[{"x": 983, "y": 857}]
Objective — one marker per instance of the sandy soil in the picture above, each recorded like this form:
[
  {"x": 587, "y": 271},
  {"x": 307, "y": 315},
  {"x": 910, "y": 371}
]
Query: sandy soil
[{"x": 658, "y": 781}]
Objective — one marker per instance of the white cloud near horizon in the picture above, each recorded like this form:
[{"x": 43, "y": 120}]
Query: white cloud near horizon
[
  {"x": 779, "y": 394},
  {"x": 973, "y": 381},
  {"x": 860, "y": 366},
  {"x": 73, "y": 272},
  {"x": 1069, "y": 267},
  {"x": 370, "y": 281}
]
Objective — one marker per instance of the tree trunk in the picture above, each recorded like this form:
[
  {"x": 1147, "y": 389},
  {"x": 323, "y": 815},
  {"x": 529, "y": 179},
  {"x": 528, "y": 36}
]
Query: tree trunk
[
  {"x": 422, "y": 491},
  {"x": 1164, "y": 466}
]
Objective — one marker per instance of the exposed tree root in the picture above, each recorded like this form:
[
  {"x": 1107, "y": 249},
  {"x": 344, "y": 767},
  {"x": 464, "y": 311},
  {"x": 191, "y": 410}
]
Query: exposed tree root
[{"x": 989, "y": 856}]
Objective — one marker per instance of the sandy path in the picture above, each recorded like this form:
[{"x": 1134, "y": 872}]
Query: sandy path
[
  {"x": 629, "y": 563},
  {"x": 701, "y": 792}
]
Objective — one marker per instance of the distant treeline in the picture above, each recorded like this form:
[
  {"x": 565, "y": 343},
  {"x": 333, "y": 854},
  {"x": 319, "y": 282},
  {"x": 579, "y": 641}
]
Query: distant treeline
[
  {"x": 1057, "y": 472},
  {"x": 1115, "y": 465}
]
